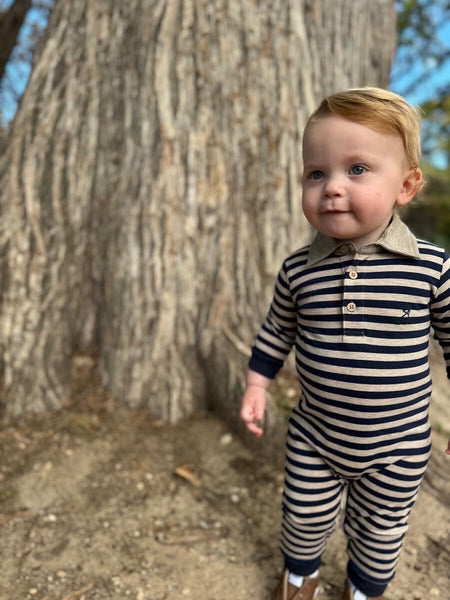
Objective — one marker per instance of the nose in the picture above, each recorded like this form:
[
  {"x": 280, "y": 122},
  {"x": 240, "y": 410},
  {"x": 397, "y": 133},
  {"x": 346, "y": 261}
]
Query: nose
[{"x": 333, "y": 187}]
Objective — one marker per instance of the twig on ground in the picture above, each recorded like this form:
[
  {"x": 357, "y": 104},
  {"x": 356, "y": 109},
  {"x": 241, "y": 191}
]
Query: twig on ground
[{"x": 78, "y": 593}]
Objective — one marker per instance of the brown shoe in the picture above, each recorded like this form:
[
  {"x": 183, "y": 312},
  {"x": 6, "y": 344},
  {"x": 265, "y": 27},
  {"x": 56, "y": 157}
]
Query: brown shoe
[
  {"x": 287, "y": 591},
  {"x": 348, "y": 593}
]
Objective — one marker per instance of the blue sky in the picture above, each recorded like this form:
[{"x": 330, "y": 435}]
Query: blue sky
[
  {"x": 20, "y": 72},
  {"x": 439, "y": 74}
]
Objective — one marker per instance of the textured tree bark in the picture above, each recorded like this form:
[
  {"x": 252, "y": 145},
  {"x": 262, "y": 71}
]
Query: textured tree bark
[{"x": 150, "y": 187}]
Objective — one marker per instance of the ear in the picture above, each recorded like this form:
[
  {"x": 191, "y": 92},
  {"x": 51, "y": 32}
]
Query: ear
[{"x": 412, "y": 183}]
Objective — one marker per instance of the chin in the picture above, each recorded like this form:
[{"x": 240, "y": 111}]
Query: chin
[{"x": 339, "y": 234}]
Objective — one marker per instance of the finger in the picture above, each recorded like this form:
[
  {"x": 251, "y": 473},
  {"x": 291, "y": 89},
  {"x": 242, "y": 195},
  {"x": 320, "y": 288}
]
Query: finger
[
  {"x": 259, "y": 410},
  {"x": 254, "y": 428},
  {"x": 247, "y": 413}
]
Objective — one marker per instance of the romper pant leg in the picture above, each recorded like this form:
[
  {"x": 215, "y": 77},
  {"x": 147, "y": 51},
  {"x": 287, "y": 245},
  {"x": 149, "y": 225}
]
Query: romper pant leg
[
  {"x": 311, "y": 503},
  {"x": 378, "y": 507}
]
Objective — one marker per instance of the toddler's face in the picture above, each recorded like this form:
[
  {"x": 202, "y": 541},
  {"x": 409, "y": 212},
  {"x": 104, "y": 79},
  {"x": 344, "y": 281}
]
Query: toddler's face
[{"x": 352, "y": 179}]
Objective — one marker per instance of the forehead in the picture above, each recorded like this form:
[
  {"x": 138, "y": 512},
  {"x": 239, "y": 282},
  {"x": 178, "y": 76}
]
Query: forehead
[{"x": 330, "y": 133}]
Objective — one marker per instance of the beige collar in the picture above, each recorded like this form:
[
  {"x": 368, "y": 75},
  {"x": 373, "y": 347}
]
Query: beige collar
[{"x": 396, "y": 238}]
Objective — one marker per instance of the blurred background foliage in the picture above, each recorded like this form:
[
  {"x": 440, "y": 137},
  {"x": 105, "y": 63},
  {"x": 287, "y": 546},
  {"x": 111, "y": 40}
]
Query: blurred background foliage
[
  {"x": 429, "y": 214},
  {"x": 420, "y": 72}
]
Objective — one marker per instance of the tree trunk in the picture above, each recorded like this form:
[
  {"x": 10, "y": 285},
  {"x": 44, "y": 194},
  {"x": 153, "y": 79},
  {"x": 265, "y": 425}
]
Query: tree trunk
[{"x": 151, "y": 188}]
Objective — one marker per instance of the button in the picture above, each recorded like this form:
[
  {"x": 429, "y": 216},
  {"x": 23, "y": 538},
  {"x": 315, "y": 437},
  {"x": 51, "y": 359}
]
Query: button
[
  {"x": 351, "y": 307},
  {"x": 353, "y": 275},
  {"x": 342, "y": 250}
]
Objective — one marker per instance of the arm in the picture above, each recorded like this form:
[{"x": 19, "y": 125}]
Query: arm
[
  {"x": 440, "y": 316},
  {"x": 272, "y": 345},
  {"x": 277, "y": 334},
  {"x": 440, "y": 311}
]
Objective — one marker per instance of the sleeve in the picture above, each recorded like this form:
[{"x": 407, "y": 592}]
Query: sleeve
[
  {"x": 440, "y": 311},
  {"x": 277, "y": 334}
]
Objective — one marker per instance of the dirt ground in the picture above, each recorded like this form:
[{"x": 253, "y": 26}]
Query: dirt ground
[{"x": 103, "y": 502}]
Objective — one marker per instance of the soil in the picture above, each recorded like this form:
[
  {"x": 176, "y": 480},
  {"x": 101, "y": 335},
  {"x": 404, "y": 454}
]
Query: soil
[{"x": 104, "y": 502}]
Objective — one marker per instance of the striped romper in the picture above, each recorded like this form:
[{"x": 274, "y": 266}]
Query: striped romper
[{"x": 360, "y": 322}]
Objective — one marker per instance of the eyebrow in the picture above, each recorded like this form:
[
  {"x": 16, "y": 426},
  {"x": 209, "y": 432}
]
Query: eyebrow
[{"x": 351, "y": 158}]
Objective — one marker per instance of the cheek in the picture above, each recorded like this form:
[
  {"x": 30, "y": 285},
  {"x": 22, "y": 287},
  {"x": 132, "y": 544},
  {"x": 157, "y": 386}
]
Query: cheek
[
  {"x": 309, "y": 208},
  {"x": 375, "y": 207},
  {"x": 305, "y": 201},
  {"x": 309, "y": 198},
  {"x": 371, "y": 200}
]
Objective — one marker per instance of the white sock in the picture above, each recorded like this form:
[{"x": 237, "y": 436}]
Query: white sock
[
  {"x": 357, "y": 594},
  {"x": 297, "y": 580}
]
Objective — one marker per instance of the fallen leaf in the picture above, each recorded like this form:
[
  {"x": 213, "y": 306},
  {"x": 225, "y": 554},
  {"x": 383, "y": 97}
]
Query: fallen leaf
[{"x": 188, "y": 475}]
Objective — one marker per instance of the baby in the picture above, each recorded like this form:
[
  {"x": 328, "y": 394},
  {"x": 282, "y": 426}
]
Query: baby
[{"x": 358, "y": 304}]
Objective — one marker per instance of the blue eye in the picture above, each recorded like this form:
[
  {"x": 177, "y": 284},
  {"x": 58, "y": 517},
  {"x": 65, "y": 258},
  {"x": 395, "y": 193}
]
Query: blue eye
[
  {"x": 316, "y": 175},
  {"x": 358, "y": 170}
]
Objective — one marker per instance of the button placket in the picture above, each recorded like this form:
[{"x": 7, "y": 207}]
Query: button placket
[
  {"x": 353, "y": 302},
  {"x": 349, "y": 304}
]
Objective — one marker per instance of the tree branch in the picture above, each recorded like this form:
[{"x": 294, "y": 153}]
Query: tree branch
[{"x": 10, "y": 24}]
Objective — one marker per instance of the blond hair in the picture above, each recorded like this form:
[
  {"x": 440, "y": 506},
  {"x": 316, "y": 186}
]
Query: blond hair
[{"x": 380, "y": 110}]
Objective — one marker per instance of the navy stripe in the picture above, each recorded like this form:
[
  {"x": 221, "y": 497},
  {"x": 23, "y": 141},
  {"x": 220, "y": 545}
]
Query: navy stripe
[
  {"x": 360, "y": 363},
  {"x": 369, "y": 448},
  {"x": 367, "y": 408},
  {"x": 362, "y": 379},
  {"x": 365, "y": 394},
  {"x": 362, "y": 348},
  {"x": 324, "y": 427},
  {"x": 366, "y": 421}
]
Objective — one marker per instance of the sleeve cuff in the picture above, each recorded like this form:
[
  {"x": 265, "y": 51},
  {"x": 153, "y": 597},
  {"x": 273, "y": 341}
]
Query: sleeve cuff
[{"x": 264, "y": 365}]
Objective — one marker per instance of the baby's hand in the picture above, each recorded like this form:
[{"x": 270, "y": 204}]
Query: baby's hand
[{"x": 253, "y": 406}]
